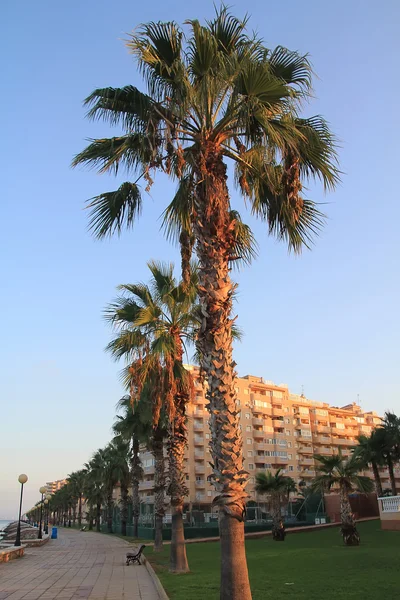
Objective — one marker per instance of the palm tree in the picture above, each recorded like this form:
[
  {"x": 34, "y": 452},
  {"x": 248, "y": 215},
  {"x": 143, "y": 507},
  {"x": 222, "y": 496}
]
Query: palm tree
[
  {"x": 214, "y": 95},
  {"x": 153, "y": 322},
  {"x": 369, "y": 452},
  {"x": 336, "y": 471},
  {"x": 121, "y": 453},
  {"x": 77, "y": 481},
  {"x": 388, "y": 436},
  {"x": 133, "y": 426},
  {"x": 94, "y": 487},
  {"x": 277, "y": 486}
]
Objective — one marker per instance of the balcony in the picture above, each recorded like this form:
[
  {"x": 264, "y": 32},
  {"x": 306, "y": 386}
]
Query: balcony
[
  {"x": 146, "y": 485},
  {"x": 257, "y": 422},
  {"x": 198, "y": 455},
  {"x": 306, "y": 461},
  {"x": 307, "y": 473},
  {"x": 198, "y": 425},
  {"x": 262, "y": 446},
  {"x": 149, "y": 470},
  {"x": 277, "y": 412},
  {"x": 200, "y": 483},
  {"x": 147, "y": 499},
  {"x": 305, "y": 450},
  {"x": 198, "y": 441},
  {"x": 199, "y": 470},
  {"x": 278, "y": 422},
  {"x": 322, "y": 429},
  {"x": 325, "y": 451},
  {"x": 342, "y": 442}
]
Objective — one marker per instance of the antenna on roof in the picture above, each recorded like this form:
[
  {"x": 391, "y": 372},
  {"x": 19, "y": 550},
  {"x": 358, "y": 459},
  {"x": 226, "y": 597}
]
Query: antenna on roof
[
  {"x": 358, "y": 399},
  {"x": 302, "y": 390}
]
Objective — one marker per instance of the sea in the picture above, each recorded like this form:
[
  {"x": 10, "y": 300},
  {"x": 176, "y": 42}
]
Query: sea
[{"x": 4, "y": 523}]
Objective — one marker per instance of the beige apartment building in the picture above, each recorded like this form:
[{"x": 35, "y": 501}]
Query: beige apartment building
[
  {"x": 54, "y": 486},
  {"x": 280, "y": 430}
]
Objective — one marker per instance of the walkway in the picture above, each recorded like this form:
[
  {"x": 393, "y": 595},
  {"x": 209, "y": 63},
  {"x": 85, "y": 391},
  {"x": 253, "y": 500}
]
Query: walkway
[{"x": 83, "y": 565}]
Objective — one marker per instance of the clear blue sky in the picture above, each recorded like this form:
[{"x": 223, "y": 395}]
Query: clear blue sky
[{"x": 328, "y": 320}]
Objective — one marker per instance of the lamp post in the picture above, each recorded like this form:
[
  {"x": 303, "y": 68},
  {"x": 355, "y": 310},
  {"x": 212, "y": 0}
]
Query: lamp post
[
  {"x": 42, "y": 490},
  {"x": 46, "y": 510},
  {"x": 47, "y": 502},
  {"x": 22, "y": 479}
]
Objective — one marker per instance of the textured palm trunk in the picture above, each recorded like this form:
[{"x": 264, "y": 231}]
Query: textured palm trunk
[
  {"x": 159, "y": 488},
  {"x": 349, "y": 531},
  {"x": 80, "y": 510},
  {"x": 278, "y": 529},
  {"x": 214, "y": 235},
  {"x": 136, "y": 473},
  {"x": 177, "y": 489},
  {"x": 91, "y": 518},
  {"x": 391, "y": 475},
  {"x": 124, "y": 508},
  {"x": 109, "y": 511},
  {"x": 377, "y": 477},
  {"x": 98, "y": 516},
  {"x": 74, "y": 514}
]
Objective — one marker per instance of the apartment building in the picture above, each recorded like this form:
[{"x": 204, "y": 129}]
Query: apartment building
[
  {"x": 53, "y": 486},
  {"x": 279, "y": 429}
]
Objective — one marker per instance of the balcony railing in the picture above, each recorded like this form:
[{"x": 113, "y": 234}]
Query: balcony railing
[{"x": 390, "y": 504}]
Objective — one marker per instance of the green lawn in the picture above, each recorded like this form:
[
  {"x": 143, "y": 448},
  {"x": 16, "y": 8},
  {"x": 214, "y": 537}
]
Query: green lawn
[{"x": 315, "y": 564}]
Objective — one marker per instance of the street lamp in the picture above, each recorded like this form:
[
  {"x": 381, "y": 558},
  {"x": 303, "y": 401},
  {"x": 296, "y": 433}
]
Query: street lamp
[
  {"x": 22, "y": 479},
  {"x": 46, "y": 510},
  {"x": 47, "y": 502},
  {"x": 42, "y": 490}
]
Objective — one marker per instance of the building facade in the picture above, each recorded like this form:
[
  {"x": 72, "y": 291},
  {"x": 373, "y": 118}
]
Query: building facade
[
  {"x": 54, "y": 486},
  {"x": 279, "y": 429}
]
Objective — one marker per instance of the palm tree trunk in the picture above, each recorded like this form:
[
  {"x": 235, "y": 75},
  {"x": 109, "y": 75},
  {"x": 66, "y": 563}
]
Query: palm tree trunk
[
  {"x": 80, "y": 510},
  {"x": 177, "y": 489},
  {"x": 377, "y": 477},
  {"x": 159, "y": 488},
  {"x": 278, "y": 529},
  {"x": 109, "y": 512},
  {"x": 391, "y": 475},
  {"x": 74, "y": 514},
  {"x": 136, "y": 472},
  {"x": 69, "y": 516},
  {"x": 349, "y": 531},
  {"x": 124, "y": 508},
  {"x": 98, "y": 516},
  {"x": 214, "y": 235}
]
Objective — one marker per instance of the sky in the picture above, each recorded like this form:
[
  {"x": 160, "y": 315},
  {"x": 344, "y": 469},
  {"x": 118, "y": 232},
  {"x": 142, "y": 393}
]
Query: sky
[{"x": 326, "y": 322}]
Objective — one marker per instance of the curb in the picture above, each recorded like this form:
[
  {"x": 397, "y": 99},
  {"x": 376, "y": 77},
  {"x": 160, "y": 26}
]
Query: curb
[{"x": 161, "y": 592}]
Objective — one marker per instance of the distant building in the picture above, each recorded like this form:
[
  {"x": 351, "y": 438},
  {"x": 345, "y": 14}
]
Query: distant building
[
  {"x": 280, "y": 430},
  {"x": 53, "y": 486}
]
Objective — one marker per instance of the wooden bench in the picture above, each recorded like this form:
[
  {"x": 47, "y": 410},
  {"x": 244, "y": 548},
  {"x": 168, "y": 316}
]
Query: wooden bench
[{"x": 132, "y": 558}]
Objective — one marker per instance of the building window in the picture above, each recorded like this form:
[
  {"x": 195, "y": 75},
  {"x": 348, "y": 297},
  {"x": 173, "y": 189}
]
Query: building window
[
  {"x": 287, "y": 421},
  {"x": 289, "y": 456},
  {"x": 252, "y": 480},
  {"x": 246, "y": 391},
  {"x": 209, "y": 493},
  {"x": 249, "y": 441},
  {"x": 207, "y": 436},
  {"x": 237, "y": 390},
  {"x": 287, "y": 431},
  {"x": 251, "y": 467},
  {"x": 247, "y": 415},
  {"x": 291, "y": 468},
  {"x": 248, "y": 427},
  {"x": 249, "y": 453},
  {"x": 289, "y": 444}
]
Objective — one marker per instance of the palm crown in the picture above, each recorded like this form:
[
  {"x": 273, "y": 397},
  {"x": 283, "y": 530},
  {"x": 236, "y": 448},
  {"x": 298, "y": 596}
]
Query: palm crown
[
  {"x": 336, "y": 471},
  {"x": 221, "y": 90}
]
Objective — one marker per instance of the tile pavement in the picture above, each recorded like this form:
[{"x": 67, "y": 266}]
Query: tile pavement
[{"x": 78, "y": 565}]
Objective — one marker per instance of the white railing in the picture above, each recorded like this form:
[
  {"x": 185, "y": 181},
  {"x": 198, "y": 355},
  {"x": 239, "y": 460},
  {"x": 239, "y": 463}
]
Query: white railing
[{"x": 390, "y": 504}]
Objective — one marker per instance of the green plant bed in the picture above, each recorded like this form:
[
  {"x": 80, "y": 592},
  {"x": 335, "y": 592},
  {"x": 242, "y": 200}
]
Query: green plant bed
[{"x": 307, "y": 566}]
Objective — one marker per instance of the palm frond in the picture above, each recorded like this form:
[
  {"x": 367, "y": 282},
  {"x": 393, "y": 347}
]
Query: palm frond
[{"x": 111, "y": 212}]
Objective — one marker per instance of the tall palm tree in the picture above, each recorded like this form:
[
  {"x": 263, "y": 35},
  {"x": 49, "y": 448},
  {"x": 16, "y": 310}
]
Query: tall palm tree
[
  {"x": 214, "y": 95},
  {"x": 153, "y": 322},
  {"x": 337, "y": 472},
  {"x": 277, "y": 486},
  {"x": 369, "y": 452},
  {"x": 77, "y": 482}
]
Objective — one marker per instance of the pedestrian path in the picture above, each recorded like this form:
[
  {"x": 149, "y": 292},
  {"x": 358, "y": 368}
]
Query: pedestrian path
[{"x": 78, "y": 565}]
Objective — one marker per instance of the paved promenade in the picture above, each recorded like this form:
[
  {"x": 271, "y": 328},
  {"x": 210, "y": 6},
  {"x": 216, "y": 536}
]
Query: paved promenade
[{"x": 78, "y": 564}]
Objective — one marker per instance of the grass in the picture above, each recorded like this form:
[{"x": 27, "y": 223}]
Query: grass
[{"x": 316, "y": 565}]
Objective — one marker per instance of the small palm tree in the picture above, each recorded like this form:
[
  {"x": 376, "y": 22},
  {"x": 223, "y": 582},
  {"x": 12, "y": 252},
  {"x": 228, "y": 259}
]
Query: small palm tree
[
  {"x": 153, "y": 322},
  {"x": 337, "y": 472},
  {"x": 369, "y": 452},
  {"x": 215, "y": 95},
  {"x": 388, "y": 435},
  {"x": 134, "y": 426},
  {"x": 277, "y": 487},
  {"x": 77, "y": 482}
]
